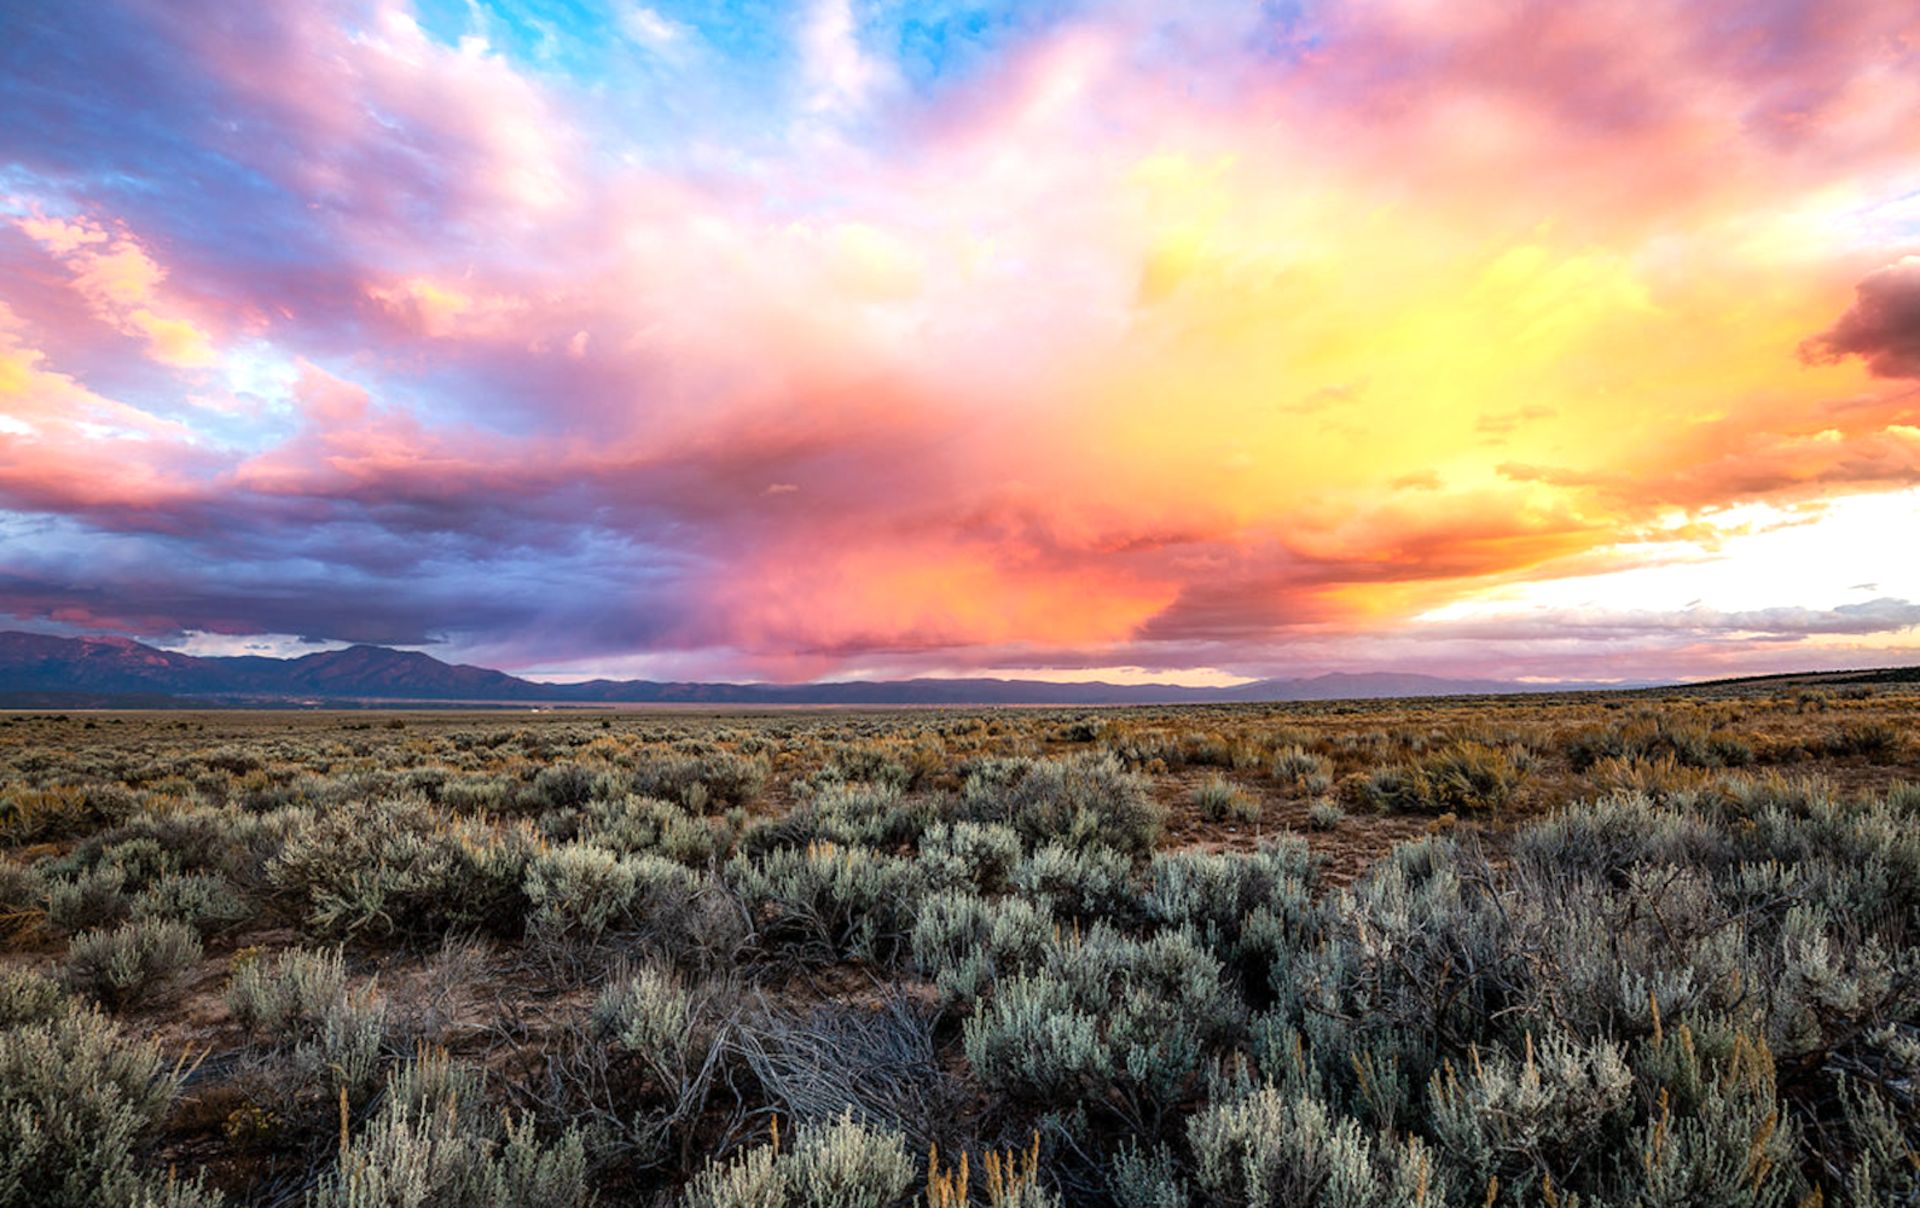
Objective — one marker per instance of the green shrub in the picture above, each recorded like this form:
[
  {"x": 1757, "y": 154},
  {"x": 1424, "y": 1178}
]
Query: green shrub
[
  {"x": 965, "y": 942},
  {"x": 285, "y": 997},
  {"x": 88, "y": 899},
  {"x": 1034, "y": 1038},
  {"x": 647, "y": 1013},
  {"x": 1083, "y": 800},
  {"x": 1293, "y": 765},
  {"x": 578, "y": 891},
  {"x": 1412, "y": 961},
  {"x": 27, "y": 997},
  {"x": 1870, "y": 739},
  {"x": 23, "y": 897},
  {"x": 831, "y": 902},
  {"x": 1464, "y": 778},
  {"x": 79, "y": 1100},
  {"x": 633, "y": 825},
  {"x": 400, "y": 868},
  {"x": 43, "y": 814},
  {"x": 141, "y": 860},
  {"x": 1118, "y": 1021},
  {"x": 1652, "y": 739},
  {"x": 1325, "y": 815},
  {"x": 562, "y": 786},
  {"x": 474, "y": 794},
  {"x": 343, "y": 1051},
  {"x": 1550, "y": 1111},
  {"x": 715, "y": 780},
  {"x": 203, "y": 901},
  {"x": 1273, "y": 1149},
  {"x": 969, "y": 854},
  {"x": 298, "y": 1000},
  {"x": 663, "y": 1039},
  {"x": 1883, "y": 1169},
  {"x": 1148, "y": 1178},
  {"x": 843, "y": 1164},
  {"x": 122, "y": 966},
  {"x": 201, "y": 839},
  {"x": 1608, "y": 837},
  {"x": 1219, "y": 800},
  {"x": 433, "y": 1143},
  {"x": 1093, "y": 882},
  {"x": 1218, "y": 897},
  {"x": 1715, "y": 1131},
  {"x": 1903, "y": 797},
  {"x": 867, "y": 815},
  {"x": 1401, "y": 788}
]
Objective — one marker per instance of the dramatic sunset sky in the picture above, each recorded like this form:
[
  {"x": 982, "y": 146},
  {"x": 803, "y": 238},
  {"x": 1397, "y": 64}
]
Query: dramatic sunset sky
[{"x": 1195, "y": 341}]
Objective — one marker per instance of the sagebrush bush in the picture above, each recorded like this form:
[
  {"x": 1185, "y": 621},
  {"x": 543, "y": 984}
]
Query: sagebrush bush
[
  {"x": 868, "y": 815},
  {"x": 399, "y": 867},
  {"x": 123, "y": 965},
  {"x": 1092, "y": 882},
  {"x": 79, "y": 1101},
  {"x": 1240, "y": 905},
  {"x": 92, "y": 898},
  {"x": 966, "y": 942},
  {"x": 973, "y": 855},
  {"x": 1871, "y": 739},
  {"x": 200, "y": 839},
  {"x": 1123, "y": 1022},
  {"x": 1716, "y": 1132},
  {"x": 1082, "y": 800},
  {"x": 1687, "y": 744},
  {"x": 1293, "y": 765},
  {"x": 1552, "y": 1110},
  {"x": 432, "y": 1143},
  {"x": 631, "y": 825},
  {"x": 27, "y": 997},
  {"x": 343, "y": 1051},
  {"x": 298, "y": 1001},
  {"x": 578, "y": 891},
  {"x": 283, "y": 998},
  {"x": 43, "y": 814},
  {"x": 141, "y": 860},
  {"x": 1274, "y": 1149},
  {"x": 656, "y": 1044},
  {"x": 1219, "y": 800},
  {"x": 206, "y": 902},
  {"x": 714, "y": 780},
  {"x": 647, "y": 1013},
  {"x": 1410, "y": 962},
  {"x": 843, "y": 1164},
  {"x": 1654, "y": 981},
  {"x": 831, "y": 901},
  {"x": 1147, "y": 1178},
  {"x": 23, "y": 897},
  {"x": 1464, "y": 778}
]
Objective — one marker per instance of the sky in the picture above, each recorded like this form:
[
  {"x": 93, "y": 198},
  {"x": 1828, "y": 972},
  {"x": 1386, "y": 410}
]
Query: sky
[{"x": 727, "y": 339}]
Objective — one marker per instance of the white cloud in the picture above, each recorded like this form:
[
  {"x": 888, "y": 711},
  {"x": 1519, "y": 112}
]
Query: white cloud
[
  {"x": 655, "y": 32},
  {"x": 841, "y": 76}
]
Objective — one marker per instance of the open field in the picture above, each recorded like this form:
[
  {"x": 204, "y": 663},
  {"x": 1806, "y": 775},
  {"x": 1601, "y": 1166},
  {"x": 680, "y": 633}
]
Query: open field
[{"x": 1646, "y": 949}]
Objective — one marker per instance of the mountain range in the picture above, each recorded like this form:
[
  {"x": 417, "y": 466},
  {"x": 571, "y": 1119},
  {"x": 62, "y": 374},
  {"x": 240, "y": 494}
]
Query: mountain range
[{"x": 44, "y": 670}]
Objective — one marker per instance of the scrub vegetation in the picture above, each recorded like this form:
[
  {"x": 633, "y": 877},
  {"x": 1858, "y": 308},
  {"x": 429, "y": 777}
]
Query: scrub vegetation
[{"x": 1654, "y": 949}]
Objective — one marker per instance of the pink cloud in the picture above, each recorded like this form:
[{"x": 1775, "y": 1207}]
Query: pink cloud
[
  {"x": 1152, "y": 339},
  {"x": 122, "y": 284}
]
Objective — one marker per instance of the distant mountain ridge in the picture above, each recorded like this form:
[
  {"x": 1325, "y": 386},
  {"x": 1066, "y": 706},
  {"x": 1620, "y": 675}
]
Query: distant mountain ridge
[{"x": 41, "y": 669}]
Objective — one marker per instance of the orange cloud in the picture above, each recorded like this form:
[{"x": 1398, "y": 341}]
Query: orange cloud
[
  {"x": 1157, "y": 338},
  {"x": 122, "y": 283}
]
